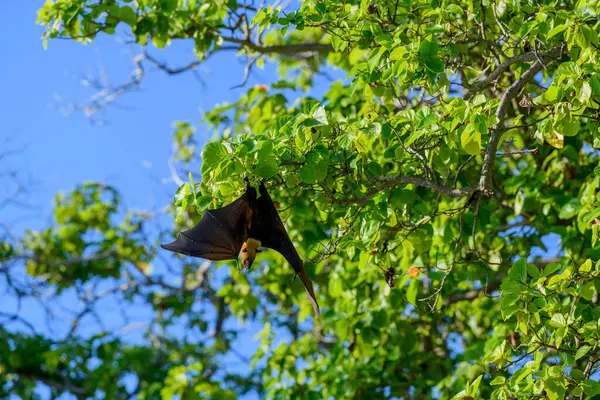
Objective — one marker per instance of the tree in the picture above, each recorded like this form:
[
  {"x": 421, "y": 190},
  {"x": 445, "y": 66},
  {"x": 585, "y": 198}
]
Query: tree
[{"x": 418, "y": 191}]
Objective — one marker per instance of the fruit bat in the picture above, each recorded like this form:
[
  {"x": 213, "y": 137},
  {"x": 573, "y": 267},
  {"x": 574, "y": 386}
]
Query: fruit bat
[{"x": 242, "y": 228}]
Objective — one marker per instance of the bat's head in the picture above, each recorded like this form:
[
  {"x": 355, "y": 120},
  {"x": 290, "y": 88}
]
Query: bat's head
[{"x": 248, "y": 253}]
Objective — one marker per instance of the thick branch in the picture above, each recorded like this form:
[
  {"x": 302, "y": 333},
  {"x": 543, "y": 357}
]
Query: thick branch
[
  {"x": 543, "y": 262},
  {"x": 555, "y": 52},
  {"x": 286, "y": 49},
  {"x": 392, "y": 181},
  {"x": 507, "y": 97},
  {"x": 415, "y": 180}
]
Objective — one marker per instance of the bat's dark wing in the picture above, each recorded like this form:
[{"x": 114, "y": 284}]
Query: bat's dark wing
[
  {"x": 272, "y": 234},
  {"x": 218, "y": 236}
]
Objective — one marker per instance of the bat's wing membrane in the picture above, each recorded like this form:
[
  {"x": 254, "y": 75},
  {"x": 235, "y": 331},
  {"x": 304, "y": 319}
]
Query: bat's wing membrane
[
  {"x": 218, "y": 236},
  {"x": 274, "y": 236}
]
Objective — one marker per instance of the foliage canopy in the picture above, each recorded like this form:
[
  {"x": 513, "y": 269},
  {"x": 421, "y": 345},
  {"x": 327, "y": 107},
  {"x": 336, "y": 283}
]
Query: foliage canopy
[{"x": 419, "y": 189}]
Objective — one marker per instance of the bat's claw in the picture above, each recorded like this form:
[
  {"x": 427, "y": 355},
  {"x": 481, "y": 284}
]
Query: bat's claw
[{"x": 293, "y": 278}]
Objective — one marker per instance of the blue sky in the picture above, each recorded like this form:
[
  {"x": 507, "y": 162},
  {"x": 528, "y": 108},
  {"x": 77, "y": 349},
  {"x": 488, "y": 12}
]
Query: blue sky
[{"x": 62, "y": 151}]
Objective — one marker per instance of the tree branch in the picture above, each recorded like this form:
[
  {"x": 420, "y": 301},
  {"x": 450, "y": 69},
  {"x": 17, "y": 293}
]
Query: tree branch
[
  {"x": 415, "y": 180},
  {"x": 171, "y": 70},
  {"x": 511, "y": 93},
  {"x": 532, "y": 56},
  {"x": 285, "y": 49},
  {"x": 73, "y": 261},
  {"x": 388, "y": 181},
  {"x": 54, "y": 381},
  {"x": 473, "y": 294}
]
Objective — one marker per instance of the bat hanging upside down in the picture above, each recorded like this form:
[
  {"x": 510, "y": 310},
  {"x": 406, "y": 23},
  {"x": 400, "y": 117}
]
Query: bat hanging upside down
[{"x": 242, "y": 228}]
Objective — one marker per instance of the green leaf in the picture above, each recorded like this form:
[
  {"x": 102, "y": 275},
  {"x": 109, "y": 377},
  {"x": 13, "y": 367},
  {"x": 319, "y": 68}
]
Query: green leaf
[
  {"x": 319, "y": 115},
  {"x": 212, "y": 155},
  {"x": 519, "y": 202},
  {"x": 550, "y": 269},
  {"x": 555, "y": 31},
  {"x": 321, "y": 169},
  {"x": 471, "y": 141},
  {"x": 202, "y": 202},
  {"x": 401, "y": 196},
  {"x": 521, "y": 374},
  {"x": 533, "y": 271},
  {"x": 499, "y": 380},
  {"x": 588, "y": 291},
  {"x": 591, "y": 388},
  {"x": 435, "y": 65},
  {"x": 558, "y": 320},
  {"x": 397, "y": 53},
  {"x": 479, "y": 121},
  {"x": 479, "y": 100},
  {"x": 385, "y": 40},
  {"x": 585, "y": 36},
  {"x": 374, "y": 169},
  {"x": 335, "y": 287},
  {"x": 363, "y": 259},
  {"x": 577, "y": 374},
  {"x": 374, "y": 57},
  {"x": 585, "y": 93},
  {"x": 428, "y": 120},
  {"x": 226, "y": 189},
  {"x": 128, "y": 16},
  {"x": 192, "y": 184},
  {"x": 227, "y": 169},
  {"x": 569, "y": 210},
  {"x": 168, "y": 6},
  {"x": 266, "y": 168},
  {"x": 355, "y": 55},
  {"x": 475, "y": 385},
  {"x": 115, "y": 10},
  {"x": 518, "y": 272},
  {"x": 311, "y": 122},
  {"x": 412, "y": 292},
  {"x": 380, "y": 319},
  {"x": 586, "y": 266},
  {"x": 428, "y": 49},
  {"x": 554, "y": 94},
  {"x": 308, "y": 174},
  {"x": 569, "y": 68},
  {"x": 555, "y": 389},
  {"x": 454, "y": 9},
  {"x": 414, "y": 136},
  {"x": 159, "y": 42},
  {"x": 582, "y": 351}
]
